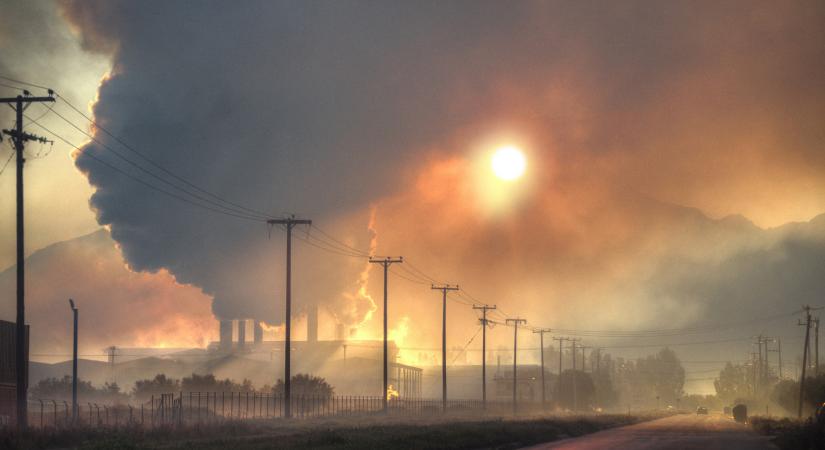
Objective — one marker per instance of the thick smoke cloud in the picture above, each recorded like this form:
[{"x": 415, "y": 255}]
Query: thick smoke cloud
[
  {"x": 117, "y": 306},
  {"x": 627, "y": 111}
]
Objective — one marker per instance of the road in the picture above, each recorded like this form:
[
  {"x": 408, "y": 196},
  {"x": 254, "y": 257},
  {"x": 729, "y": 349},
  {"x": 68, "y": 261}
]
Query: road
[{"x": 683, "y": 432}]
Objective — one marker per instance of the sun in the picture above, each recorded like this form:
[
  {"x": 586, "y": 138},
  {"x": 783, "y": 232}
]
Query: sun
[{"x": 508, "y": 163}]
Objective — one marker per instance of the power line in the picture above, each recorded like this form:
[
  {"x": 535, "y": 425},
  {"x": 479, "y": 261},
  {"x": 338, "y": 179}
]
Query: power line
[
  {"x": 237, "y": 210},
  {"x": 149, "y": 185}
]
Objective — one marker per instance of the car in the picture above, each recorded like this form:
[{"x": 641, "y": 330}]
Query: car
[{"x": 701, "y": 410}]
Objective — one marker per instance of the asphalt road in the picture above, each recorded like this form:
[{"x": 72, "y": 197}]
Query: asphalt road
[{"x": 684, "y": 432}]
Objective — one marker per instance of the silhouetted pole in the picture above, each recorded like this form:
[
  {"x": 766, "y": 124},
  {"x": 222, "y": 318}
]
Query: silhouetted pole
[
  {"x": 515, "y": 323},
  {"x": 484, "y": 309},
  {"x": 19, "y": 138},
  {"x": 74, "y": 363},
  {"x": 779, "y": 343},
  {"x": 444, "y": 288},
  {"x": 385, "y": 262},
  {"x": 816, "y": 346},
  {"x": 807, "y": 325},
  {"x": 289, "y": 223},
  {"x": 575, "y": 394},
  {"x": 541, "y": 332},
  {"x": 584, "y": 361},
  {"x": 561, "y": 350}
]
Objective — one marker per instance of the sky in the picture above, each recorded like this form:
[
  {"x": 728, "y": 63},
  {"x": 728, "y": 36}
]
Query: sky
[{"x": 674, "y": 156}]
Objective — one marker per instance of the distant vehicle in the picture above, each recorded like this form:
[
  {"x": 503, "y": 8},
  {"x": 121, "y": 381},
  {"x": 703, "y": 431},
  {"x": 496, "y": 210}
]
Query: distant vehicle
[
  {"x": 701, "y": 410},
  {"x": 740, "y": 413}
]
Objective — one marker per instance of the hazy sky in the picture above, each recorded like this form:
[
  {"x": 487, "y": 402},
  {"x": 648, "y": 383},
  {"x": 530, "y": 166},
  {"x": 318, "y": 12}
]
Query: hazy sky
[{"x": 644, "y": 124}]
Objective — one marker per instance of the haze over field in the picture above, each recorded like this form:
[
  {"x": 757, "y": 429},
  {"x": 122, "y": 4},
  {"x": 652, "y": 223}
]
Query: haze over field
[{"x": 674, "y": 168}]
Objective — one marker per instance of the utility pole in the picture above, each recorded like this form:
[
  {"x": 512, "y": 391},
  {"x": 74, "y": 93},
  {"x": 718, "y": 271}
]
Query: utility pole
[
  {"x": 112, "y": 354},
  {"x": 779, "y": 343},
  {"x": 74, "y": 363},
  {"x": 19, "y": 138},
  {"x": 289, "y": 223},
  {"x": 759, "y": 366},
  {"x": 483, "y": 320},
  {"x": 807, "y": 325},
  {"x": 778, "y": 350},
  {"x": 584, "y": 361},
  {"x": 598, "y": 351},
  {"x": 541, "y": 332},
  {"x": 816, "y": 346},
  {"x": 386, "y": 263},
  {"x": 561, "y": 350},
  {"x": 516, "y": 323},
  {"x": 575, "y": 394},
  {"x": 444, "y": 288}
]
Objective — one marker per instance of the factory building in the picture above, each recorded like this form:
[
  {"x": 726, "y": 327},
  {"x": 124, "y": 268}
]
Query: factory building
[{"x": 353, "y": 366}]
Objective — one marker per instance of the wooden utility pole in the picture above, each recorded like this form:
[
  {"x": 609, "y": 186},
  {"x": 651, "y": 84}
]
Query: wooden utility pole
[
  {"x": 816, "y": 345},
  {"x": 584, "y": 360},
  {"x": 561, "y": 350},
  {"x": 807, "y": 325},
  {"x": 779, "y": 350},
  {"x": 289, "y": 223},
  {"x": 483, "y": 320},
  {"x": 516, "y": 323},
  {"x": 444, "y": 288},
  {"x": 541, "y": 332},
  {"x": 74, "y": 363},
  {"x": 386, "y": 263},
  {"x": 19, "y": 138},
  {"x": 575, "y": 394}
]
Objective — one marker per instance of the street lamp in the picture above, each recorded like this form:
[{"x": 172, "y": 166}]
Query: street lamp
[{"x": 74, "y": 363}]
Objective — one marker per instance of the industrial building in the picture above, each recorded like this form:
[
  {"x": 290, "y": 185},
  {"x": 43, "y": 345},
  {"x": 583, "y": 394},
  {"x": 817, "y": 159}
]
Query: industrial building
[{"x": 351, "y": 366}]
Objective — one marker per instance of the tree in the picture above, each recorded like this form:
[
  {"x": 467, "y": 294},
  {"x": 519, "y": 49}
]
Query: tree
[
  {"x": 605, "y": 393},
  {"x": 664, "y": 373},
  {"x": 732, "y": 383},
  {"x": 159, "y": 385},
  {"x": 786, "y": 394},
  {"x": 577, "y": 382},
  {"x": 61, "y": 389},
  {"x": 306, "y": 385},
  {"x": 208, "y": 383}
]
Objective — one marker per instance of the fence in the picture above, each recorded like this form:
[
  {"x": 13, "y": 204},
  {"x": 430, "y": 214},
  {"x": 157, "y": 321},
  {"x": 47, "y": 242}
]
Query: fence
[{"x": 177, "y": 409}]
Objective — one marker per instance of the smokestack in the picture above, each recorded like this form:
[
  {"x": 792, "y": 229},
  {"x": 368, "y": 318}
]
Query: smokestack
[
  {"x": 226, "y": 335},
  {"x": 241, "y": 332},
  {"x": 312, "y": 324},
  {"x": 257, "y": 331}
]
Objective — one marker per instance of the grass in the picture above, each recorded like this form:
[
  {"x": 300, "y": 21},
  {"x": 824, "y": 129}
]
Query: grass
[
  {"x": 385, "y": 433},
  {"x": 791, "y": 434}
]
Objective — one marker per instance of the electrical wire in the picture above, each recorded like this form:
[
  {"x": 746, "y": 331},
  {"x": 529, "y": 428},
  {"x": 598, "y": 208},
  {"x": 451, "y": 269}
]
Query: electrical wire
[{"x": 149, "y": 185}]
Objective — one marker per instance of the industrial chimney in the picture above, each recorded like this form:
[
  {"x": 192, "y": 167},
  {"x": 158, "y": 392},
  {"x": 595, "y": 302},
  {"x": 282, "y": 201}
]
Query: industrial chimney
[
  {"x": 226, "y": 335},
  {"x": 241, "y": 333},
  {"x": 257, "y": 331}
]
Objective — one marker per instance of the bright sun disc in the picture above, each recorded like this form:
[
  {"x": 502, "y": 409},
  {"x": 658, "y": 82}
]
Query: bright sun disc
[{"x": 508, "y": 163}]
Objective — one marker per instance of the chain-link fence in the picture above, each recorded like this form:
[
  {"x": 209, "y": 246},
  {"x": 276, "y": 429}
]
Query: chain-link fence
[{"x": 188, "y": 408}]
